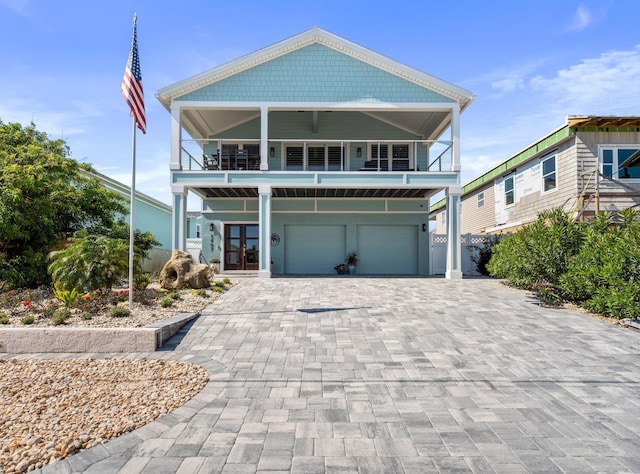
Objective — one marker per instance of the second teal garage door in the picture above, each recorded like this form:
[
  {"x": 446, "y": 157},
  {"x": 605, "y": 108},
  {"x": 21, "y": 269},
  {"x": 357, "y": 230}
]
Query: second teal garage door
[
  {"x": 388, "y": 250},
  {"x": 313, "y": 249}
]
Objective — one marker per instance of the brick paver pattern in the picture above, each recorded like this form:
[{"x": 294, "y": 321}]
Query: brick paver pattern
[{"x": 405, "y": 375}]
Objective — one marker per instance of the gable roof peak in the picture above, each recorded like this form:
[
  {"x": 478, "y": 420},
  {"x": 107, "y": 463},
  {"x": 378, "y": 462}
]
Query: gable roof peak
[{"x": 314, "y": 35}]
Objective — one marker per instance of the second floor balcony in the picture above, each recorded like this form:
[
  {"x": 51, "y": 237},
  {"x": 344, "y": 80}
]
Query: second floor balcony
[{"x": 300, "y": 155}]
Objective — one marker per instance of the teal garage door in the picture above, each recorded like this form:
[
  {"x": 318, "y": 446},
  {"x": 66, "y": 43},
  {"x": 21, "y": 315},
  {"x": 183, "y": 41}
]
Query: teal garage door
[
  {"x": 388, "y": 250},
  {"x": 313, "y": 249}
]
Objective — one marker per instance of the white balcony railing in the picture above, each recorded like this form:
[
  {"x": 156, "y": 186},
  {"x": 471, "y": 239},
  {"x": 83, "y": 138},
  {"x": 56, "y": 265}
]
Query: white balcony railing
[{"x": 354, "y": 155}]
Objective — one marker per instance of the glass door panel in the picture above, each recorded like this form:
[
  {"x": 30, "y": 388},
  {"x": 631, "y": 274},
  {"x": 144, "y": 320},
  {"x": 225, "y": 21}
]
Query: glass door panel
[{"x": 241, "y": 243}]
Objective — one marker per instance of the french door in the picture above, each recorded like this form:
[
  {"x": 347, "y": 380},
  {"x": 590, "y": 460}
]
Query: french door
[{"x": 241, "y": 247}]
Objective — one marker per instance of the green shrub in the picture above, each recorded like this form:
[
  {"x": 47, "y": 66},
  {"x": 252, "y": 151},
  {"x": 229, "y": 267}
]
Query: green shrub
[
  {"x": 604, "y": 276},
  {"x": 119, "y": 312},
  {"x": 142, "y": 280},
  {"x": 538, "y": 254},
  {"x": 4, "y": 318},
  {"x": 484, "y": 253},
  {"x": 67, "y": 297},
  {"x": 174, "y": 295},
  {"x": 86, "y": 316},
  {"x": 199, "y": 292},
  {"x": 226, "y": 281},
  {"x": 217, "y": 289},
  {"x": 60, "y": 316},
  {"x": 166, "y": 301},
  {"x": 28, "y": 319}
]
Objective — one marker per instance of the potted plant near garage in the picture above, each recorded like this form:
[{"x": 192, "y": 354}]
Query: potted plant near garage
[{"x": 352, "y": 261}]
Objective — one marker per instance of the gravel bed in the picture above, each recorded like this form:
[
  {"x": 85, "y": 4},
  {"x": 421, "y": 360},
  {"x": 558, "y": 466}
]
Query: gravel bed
[
  {"x": 142, "y": 313},
  {"x": 50, "y": 409}
]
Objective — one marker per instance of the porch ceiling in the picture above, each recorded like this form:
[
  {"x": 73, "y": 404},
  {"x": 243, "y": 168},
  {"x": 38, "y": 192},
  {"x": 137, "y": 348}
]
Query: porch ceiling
[
  {"x": 203, "y": 123},
  {"x": 379, "y": 193}
]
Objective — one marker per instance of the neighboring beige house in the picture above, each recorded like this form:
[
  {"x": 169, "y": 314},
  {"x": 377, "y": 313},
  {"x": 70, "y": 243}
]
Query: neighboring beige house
[{"x": 589, "y": 164}]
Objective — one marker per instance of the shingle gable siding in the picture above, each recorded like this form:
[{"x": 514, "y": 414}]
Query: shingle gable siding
[{"x": 315, "y": 73}]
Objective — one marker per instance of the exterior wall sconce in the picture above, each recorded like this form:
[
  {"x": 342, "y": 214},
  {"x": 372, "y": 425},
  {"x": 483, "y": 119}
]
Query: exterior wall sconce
[
  {"x": 359, "y": 152},
  {"x": 272, "y": 152},
  {"x": 211, "y": 227},
  {"x": 424, "y": 227}
]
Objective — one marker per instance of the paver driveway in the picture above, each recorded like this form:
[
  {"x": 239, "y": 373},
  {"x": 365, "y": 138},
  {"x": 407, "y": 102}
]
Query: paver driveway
[{"x": 392, "y": 375}]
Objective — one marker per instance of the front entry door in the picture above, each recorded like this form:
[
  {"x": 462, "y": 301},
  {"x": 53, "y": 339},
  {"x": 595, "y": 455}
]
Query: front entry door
[{"x": 241, "y": 247}]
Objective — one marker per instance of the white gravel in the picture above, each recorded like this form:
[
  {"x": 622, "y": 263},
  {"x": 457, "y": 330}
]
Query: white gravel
[{"x": 49, "y": 409}]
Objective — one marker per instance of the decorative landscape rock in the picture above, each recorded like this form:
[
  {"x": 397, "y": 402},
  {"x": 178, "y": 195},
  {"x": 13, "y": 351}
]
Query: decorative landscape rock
[{"x": 183, "y": 271}]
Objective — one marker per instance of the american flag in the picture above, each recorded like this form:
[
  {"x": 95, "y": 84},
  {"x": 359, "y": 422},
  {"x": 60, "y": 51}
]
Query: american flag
[{"x": 132, "y": 83}]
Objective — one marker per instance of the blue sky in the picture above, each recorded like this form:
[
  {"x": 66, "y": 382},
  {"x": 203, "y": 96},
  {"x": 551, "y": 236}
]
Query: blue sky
[{"x": 529, "y": 64}]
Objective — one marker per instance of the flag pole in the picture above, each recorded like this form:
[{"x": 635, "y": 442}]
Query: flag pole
[
  {"x": 132, "y": 92},
  {"x": 131, "y": 211}
]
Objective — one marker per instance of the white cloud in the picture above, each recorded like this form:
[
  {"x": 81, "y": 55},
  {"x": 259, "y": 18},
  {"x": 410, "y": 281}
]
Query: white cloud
[
  {"x": 581, "y": 19},
  {"x": 18, "y": 6},
  {"x": 509, "y": 84},
  {"x": 508, "y": 79},
  {"x": 607, "y": 84}
]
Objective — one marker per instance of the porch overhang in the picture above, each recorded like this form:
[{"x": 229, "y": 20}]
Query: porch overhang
[
  {"x": 204, "y": 120},
  {"x": 327, "y": 184}
]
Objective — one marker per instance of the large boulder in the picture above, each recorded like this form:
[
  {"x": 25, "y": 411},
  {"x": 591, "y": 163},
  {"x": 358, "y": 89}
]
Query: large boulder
[{"x": 183, "y": 271}]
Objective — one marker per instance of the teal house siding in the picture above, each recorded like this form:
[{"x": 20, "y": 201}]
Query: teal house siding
[
  {"x": 150, "y": 215},
  {"x": 150, "y": 218},
  {"x": 315, "y": 73},
  {"x": 279, "y": 195}
]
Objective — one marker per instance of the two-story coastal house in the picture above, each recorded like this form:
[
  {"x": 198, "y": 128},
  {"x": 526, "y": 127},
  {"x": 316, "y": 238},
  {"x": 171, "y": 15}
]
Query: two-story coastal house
[
  {"x": 311, "y": 148},
  {"x": 588, "y": 165}
]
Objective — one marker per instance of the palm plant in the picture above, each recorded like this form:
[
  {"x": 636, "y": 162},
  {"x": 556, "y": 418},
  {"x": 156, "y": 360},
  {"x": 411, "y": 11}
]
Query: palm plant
[{"x": 89, "y": 262}]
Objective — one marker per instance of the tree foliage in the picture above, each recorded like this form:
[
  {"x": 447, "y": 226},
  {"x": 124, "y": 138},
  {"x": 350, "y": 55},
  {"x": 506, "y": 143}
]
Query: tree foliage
[{"x": 45, "y": 196}]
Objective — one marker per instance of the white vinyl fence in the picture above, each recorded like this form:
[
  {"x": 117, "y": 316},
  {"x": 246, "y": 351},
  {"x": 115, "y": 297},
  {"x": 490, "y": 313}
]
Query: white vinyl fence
[{"x": 438, "y": 246}]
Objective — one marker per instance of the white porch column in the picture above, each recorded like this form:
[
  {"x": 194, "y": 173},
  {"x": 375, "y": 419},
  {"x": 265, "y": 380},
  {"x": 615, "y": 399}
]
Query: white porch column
[
  {"x": 454, "y": 248},
  {"x": 176, "y": 137},
  {"x": 264, "y": 138},
  {"x": 179, "y": 218},
  {"x": 264, "y": 224},
  {"x": 455, "y": 137}
]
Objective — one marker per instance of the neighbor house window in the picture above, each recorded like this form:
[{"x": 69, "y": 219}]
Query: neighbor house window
[
  {"x": 481, "y": 199},
  {"x": 549, "y": 174},
  {"x": 620, "y": 162},
  {"x": 509, "y": 196}
]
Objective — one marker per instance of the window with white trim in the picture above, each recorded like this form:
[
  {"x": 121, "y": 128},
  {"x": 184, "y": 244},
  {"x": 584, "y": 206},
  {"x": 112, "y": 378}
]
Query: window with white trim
[
  {"x": 400, "y": 156},
  {"x": 620, "y": 162},
  {"x": 197, "y": 231},
  {"x": 509, "y": 194},
  {"x": 318, "y": 158},
  {"x": 549, "y": 174},
  {"x": 481, "y": 199}
]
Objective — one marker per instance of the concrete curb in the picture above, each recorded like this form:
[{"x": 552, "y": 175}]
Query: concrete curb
[
  {"x": 633, "y": 323},
  {"x": 55, "y": 339}
]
